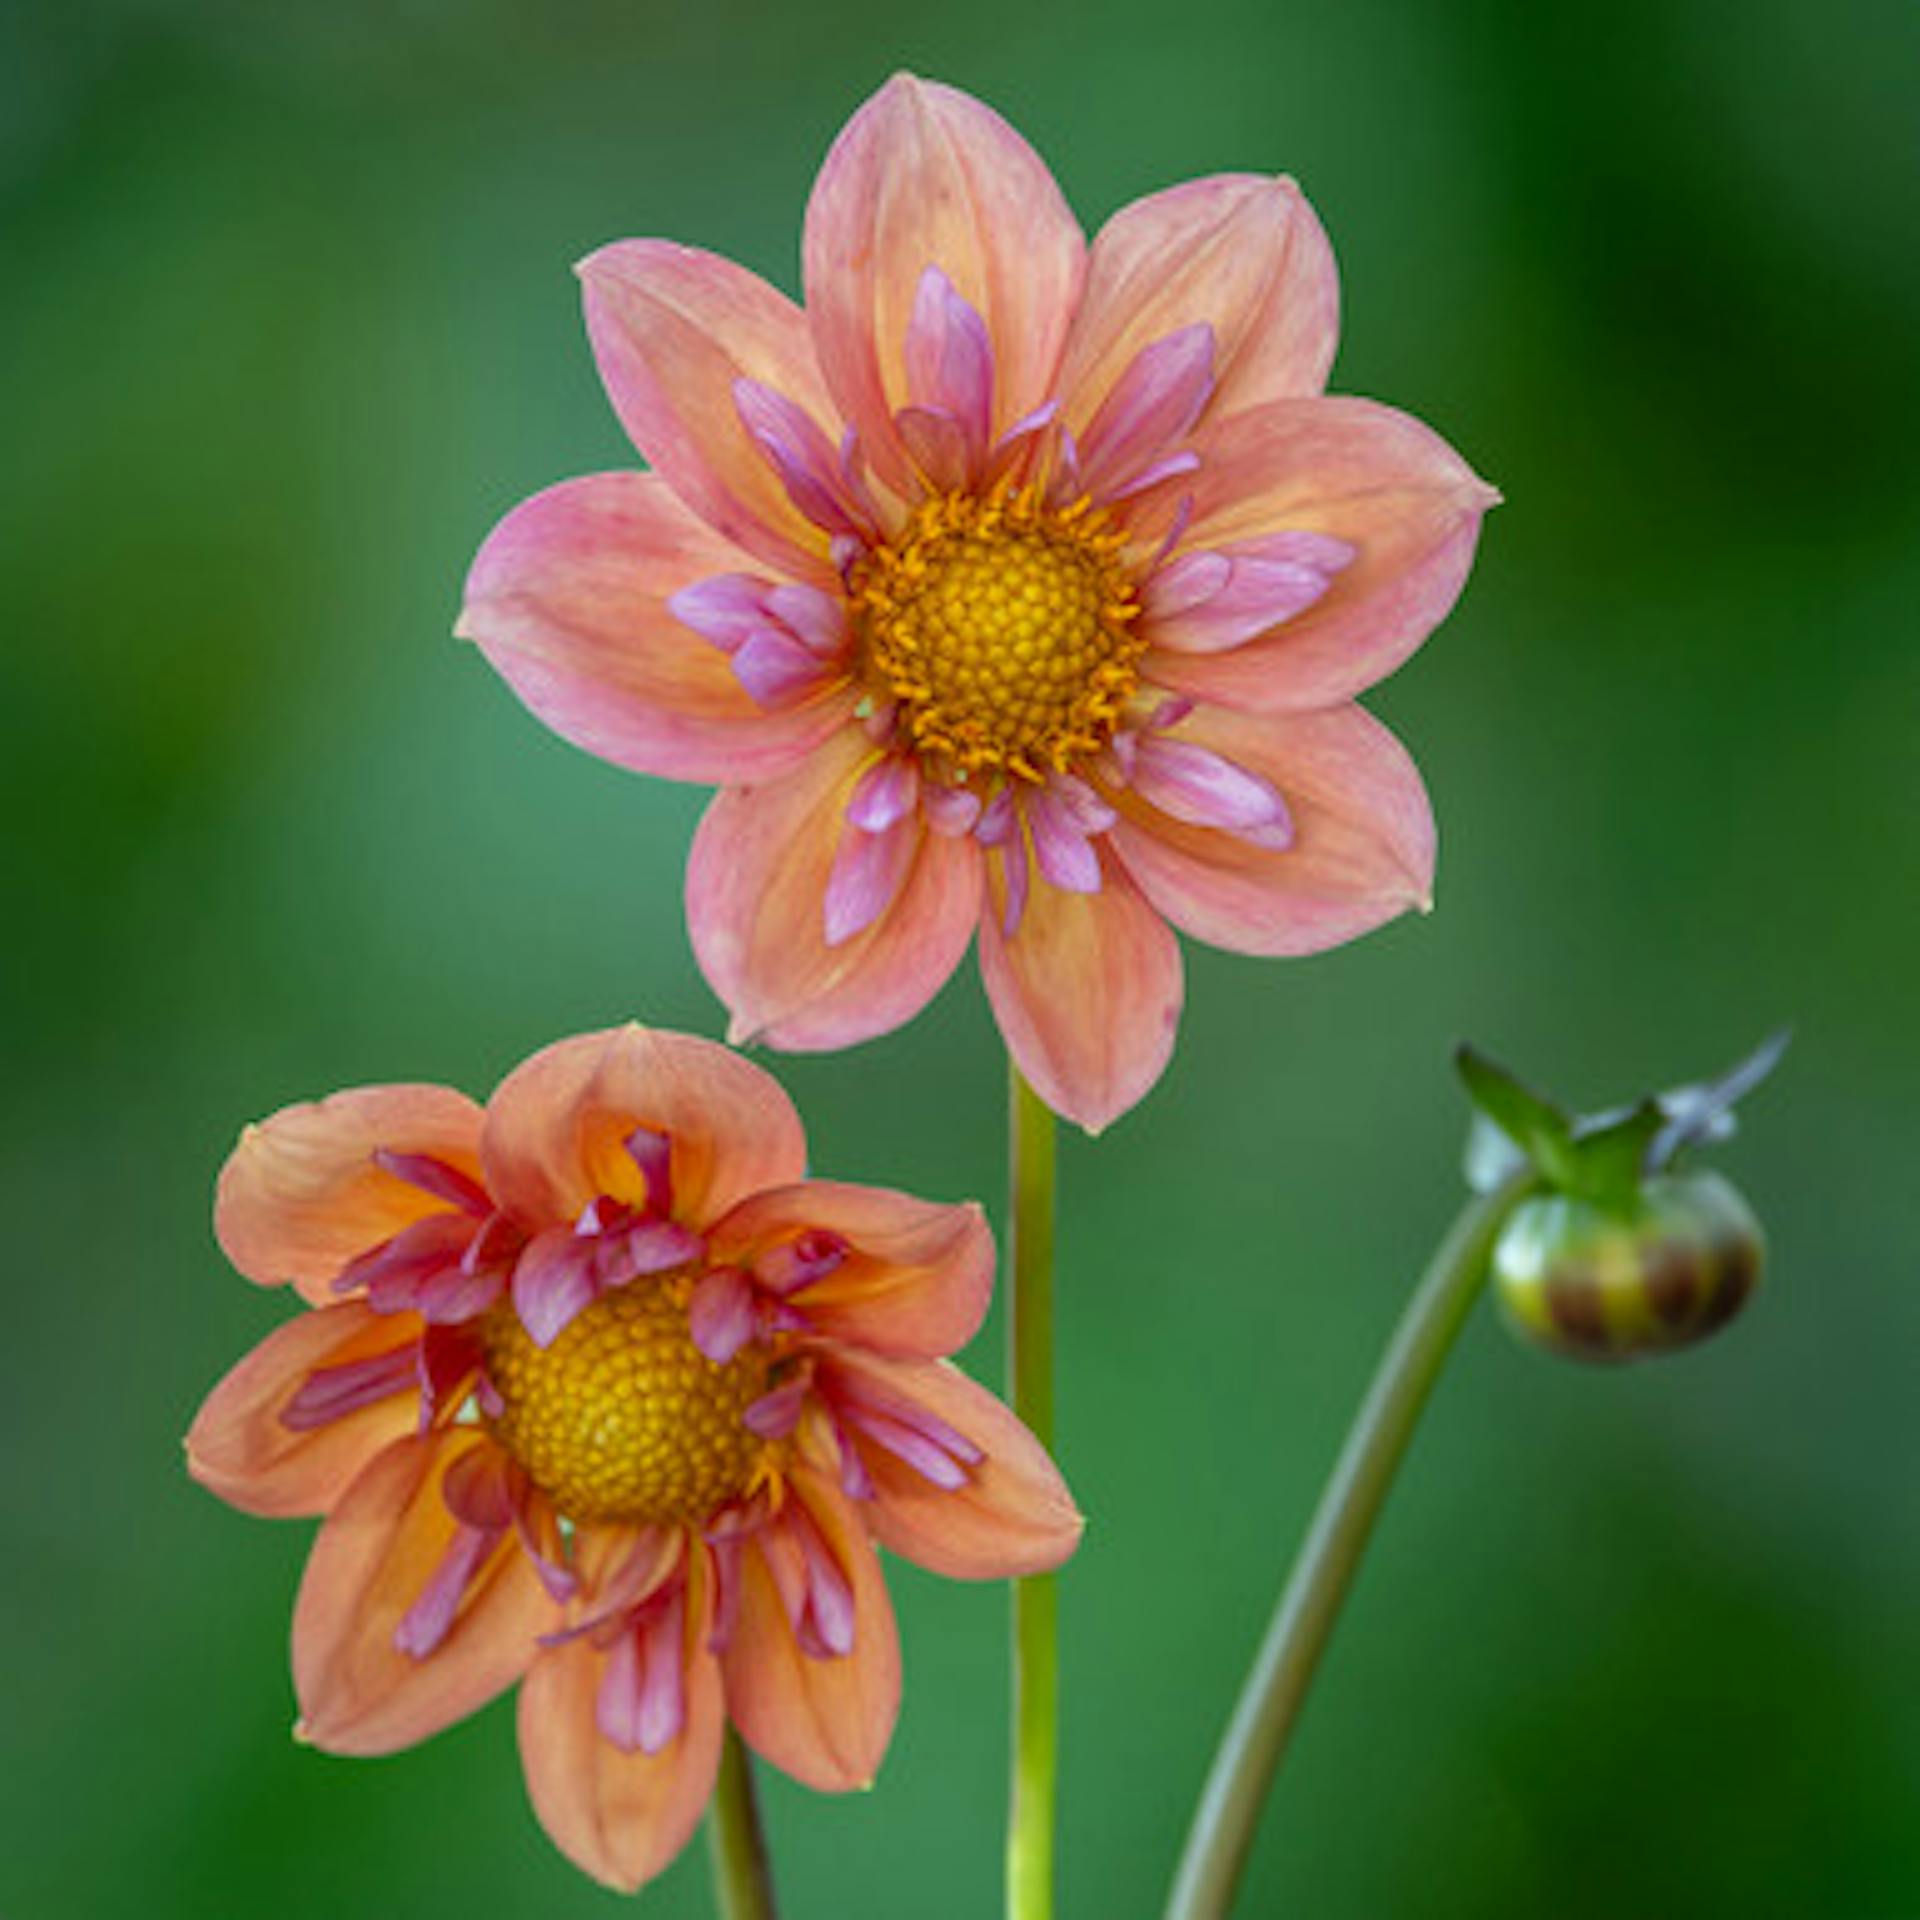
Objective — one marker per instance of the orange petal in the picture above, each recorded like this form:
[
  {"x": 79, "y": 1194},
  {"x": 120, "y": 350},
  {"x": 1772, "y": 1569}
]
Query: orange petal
[
  {"x": 1375, "y": 478},
  {"x": 621, "y": 1817},
  {"x": 300, "y": 1195},
  {"x": 1363, "y": 836},
  {"x": 1243, "y": 253},
  {"x": 358, "y": 1692},
  {"x": 568, "y": 600},
  {"x": 1087, "y": 993},
  {"x": 1013, "y": 1516},
  {"x": 237, "y": 1446},
  {"x": 557, "y": 1124},
  {"x": 673, "y": 329},
  {"x": 918, "y": 1275},
  {"x": 756, "y": 910},
  {"x": 924, "y": 175},
  {"x": 826, "y": 1722}
]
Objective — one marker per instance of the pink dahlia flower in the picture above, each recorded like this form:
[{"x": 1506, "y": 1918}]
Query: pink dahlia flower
[
  {"x": 1013, "y": 585},
  {"x": 598, "y": 1393}
]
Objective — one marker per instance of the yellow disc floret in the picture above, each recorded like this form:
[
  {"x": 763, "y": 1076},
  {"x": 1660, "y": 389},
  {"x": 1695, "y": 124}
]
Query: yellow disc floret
[
  {"x": 623, "y": 1417},
  {"x": 1002, "y": 628}
]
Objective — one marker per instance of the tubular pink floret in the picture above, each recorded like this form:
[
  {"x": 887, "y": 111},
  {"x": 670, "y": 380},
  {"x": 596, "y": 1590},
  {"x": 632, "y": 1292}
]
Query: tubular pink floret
[
  {"x": 651, "y": 1150},
  {"x": 800, "y": 1262},
  {"x": 1195, "y": 784},
  {"x": 721, "y": 1315},
  {"x": 331, "y": 1393},
  {"x": 822, "y": 1609},
  {"x": 888, "y": 791},
  {"x": 641, "y": 1703},
  {"x": 1061, "y": 846},
  {"x": 805, "y": 459},
  {"x": 1153, "y": 404},
  {"x": 434, "y": 1176},
  {"x": 949, "y": 361},
  {"x": 429, "y": 1620},
  {"x": 868, "y": 872}
]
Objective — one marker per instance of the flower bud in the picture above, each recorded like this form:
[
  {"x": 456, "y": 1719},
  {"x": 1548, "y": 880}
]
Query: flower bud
[{"x": 1603, "y": 1283}]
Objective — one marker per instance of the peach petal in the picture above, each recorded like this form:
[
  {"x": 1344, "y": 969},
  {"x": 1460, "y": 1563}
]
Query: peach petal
[
  {"x": 1244, "y": 254},
  {"x": 926, "y": 176},
  {"x": 757, "y": 884},
  {"x": 1365, "y": 474},
  {"x": 1363, "y": 836},
  {"x": 622, "y": 1817},
  {"x": 568, "y": 600},
  {"x": 917, "y": 1276},
  {"x": 826, "y": 1722},
  {"x": 300, "y": 1196},
  {"x": 359, "y": 1694},
  {"x": 1012, "y": 1516},
  {"x": 238, "y": 1447},
  {"x": 557, "y": 1126},
  {"x": 1087, "y": 992},
  {"x": 674, "y": 329}
]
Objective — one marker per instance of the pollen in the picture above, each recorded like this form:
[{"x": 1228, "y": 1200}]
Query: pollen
[
  {"x": 623, "y": 1418},
  {"x": 1003, "y": 630}
]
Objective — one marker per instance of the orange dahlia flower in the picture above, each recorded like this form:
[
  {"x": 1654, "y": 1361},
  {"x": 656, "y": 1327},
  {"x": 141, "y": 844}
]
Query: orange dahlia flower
[
  {"x": 1013, "y": 585},
  {"x": 599, "y": 1393}
]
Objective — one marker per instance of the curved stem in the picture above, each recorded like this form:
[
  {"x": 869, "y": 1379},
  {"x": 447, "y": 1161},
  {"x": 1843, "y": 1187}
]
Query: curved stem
[
  {"x": 742, "y": 1869},
  {"x": 1303, "y": 1620},
  {"x": 1036, "y": 1668}
]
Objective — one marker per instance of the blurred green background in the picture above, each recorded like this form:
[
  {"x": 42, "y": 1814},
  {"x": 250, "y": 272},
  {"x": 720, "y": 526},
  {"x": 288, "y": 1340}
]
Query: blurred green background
[{"x": 288, "y": 322}]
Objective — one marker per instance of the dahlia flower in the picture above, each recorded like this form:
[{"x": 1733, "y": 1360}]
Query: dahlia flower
[
  {"x": 598, "y": 1393},
  {"x": 1013, "y": 585}
]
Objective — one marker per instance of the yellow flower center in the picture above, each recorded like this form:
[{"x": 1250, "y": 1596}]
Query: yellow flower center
[
  {"x": 623, "y": 1417},
  {"x": 1003, "y": 629}
]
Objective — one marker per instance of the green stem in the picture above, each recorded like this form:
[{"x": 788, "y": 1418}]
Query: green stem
[
  {"x": 742, "y": 1870},
  {"x": 1303, "y": 1620},
  {"x": 1036, "y": 1651}
]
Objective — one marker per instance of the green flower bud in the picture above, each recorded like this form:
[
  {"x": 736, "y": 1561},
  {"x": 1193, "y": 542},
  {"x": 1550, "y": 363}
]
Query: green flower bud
[{"x": 1605, "y": 1283}]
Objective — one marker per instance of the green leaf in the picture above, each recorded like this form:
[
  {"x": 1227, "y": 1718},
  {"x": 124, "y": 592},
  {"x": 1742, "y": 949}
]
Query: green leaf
[{"x": 1537, "y": 1128}]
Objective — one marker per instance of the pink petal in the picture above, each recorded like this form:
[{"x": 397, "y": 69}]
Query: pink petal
[
  {"x": 599, "y": 601},
  {"x": 826, "y": 1721},
  {"x": 360, "y": 1693},
  {"x": 757, "y": 883},
  {"x": 1241, "y": 253},
  {"x": 1365, "y": 475},
  {"x": 915, "y": 1277},
  {"x": 1151, "y": 409},
  {"x": 1087, "y": 993},
  {"x": 557, "y": 1127},
  {"x": 241, "y": 1448},
  {"x": 1011, "y": 1514},
  {"x": 674, "y": 330},
  {"x": 302, "y": 1194},
  {"x": 924, "y": 175},
  {"x": 1362, "y": 851},
  {"x": 620, "y": 1816}
]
